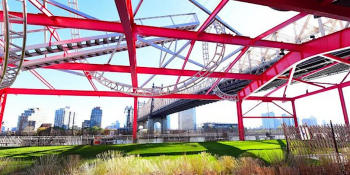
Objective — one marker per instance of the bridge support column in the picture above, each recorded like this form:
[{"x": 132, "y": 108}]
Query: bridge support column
[
  {"x": 134, "y": 123},
  {"x": 294, "y": 114},
  {"x": 164, "y": 125},
  {"x": 3, "y": 98},
  {"x": 150, "y": 126},
  {"x": 240, "y": 121},
  {"x": 343, "y": 106}
]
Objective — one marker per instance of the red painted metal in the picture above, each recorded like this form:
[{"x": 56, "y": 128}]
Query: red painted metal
[
  {"x": 326, "y": 2},
  {"x": 127, "y": 18},
  {"x": 269, "y": 99},
  {"x": 251, "y": 108},
  {"x": 138, "y": 7},
  {"x": 346, "y": 76},
  {"x": 302, "y": 81},
  {"x": 185, "y": 62},
  {"x": 299, "y": 78},
  {"x": 258, "y": 38},
  {"x": 295, "y": 114},
  {"x": 134, "y": 122},
  {"x": 282, "y": 108},
  {"x": 338, "y": 59},
  {"x": 307, "y": 6},
  {"x": 290, "y": 77},
  {"x": 240, "y": 121},
  {"x": 3, "y": 98},
  {"x": 212, "y": 15},
  {"x": 57, "y": 37},
  {"x": 343, "y": 106},
  {"x": 37, "y": 75},
  {"x": 89, "y": 24},
  {"x": 149, "y": 70},
  {"x": 268, "y": 117},
  {"x": 41, "y": 7},
  {"x": 24, "y": 91},
  {"x": 345, "y": 84},
  {"x": 309, "y": 49}
]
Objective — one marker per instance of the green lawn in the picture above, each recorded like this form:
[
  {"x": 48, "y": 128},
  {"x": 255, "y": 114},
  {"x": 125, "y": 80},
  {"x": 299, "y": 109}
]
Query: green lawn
[{"x": 259, "y": 149}]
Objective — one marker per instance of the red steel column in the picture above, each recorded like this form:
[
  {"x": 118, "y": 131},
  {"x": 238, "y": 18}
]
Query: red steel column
[
  {"x": 134, "y": 123},
  {"x": 3, "y": 98},
  {"x": 240, "y": 120},
  {"x": 294, "y": 114},
  {"x": 343, "y": 106}
]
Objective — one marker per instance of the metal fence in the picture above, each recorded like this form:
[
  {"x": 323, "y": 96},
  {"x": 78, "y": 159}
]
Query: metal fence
[
  {"x": 15, "y": 141},
  {"x": 316, "y": 142}
]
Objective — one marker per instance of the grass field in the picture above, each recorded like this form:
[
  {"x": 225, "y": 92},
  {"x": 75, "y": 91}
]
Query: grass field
[
  {"x": 226, "y": 157},
  {"x": 259, "y": 149}
]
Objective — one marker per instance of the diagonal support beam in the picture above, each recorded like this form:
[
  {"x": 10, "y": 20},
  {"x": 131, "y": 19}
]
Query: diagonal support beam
[
  {"x": 127, "y": 18},
  {"x": 258, "y": 38},
  {"x": 148, "y": 70},
  {"x": 337, "y": 59},
  {"x": 311, "y": 49},
  {"x": 67, "y": 22}
]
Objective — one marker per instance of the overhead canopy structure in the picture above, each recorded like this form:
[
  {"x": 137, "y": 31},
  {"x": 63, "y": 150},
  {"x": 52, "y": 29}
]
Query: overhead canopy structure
[{"x": 312, "y": 43}]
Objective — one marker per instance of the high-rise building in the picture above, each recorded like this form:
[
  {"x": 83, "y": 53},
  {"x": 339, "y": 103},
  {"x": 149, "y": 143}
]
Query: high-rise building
[
  {"x": 187, "y": 119},
  {"x": 168, "y": 121},
  {"x": 64, "y": 118},
  {"x": 96, "y": 117},
  {"x": 31, "y": 119},
  {"x": 309, "y": 121},
  {"x": 117, "y": 124},
  {"x": 270, "y": 123},
  {"x": 287, "y": 121},
  {"x": 85, "y": 124}
]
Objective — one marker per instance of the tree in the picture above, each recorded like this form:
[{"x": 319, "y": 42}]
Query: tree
[{"x": 105, "y": 131}]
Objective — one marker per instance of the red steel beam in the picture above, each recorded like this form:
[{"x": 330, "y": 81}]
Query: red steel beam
[
  {"x": 268, "y": 117},
  {"x": 90, "y": 24},
  {"x": 24, "y": 91},
  {"x": 3, "y": 99},
  {"x": 134, "y": 122},
  {"x": 343, "y": 106},
  {"x": 240, "y": 120},
  {"x": 346, "y": 84},
  {"x": 313, "y": 7},
  {"x": 302, "y": 81},
  {"x": 256, "y": 39},
  {"x": 212, "y": 15},
  {"x": 337, "y": 59},
  {"x": 295, "y": 114},
  {"x": 149, "y": 70},
  {"x": 57, "y": 37},
  {"x": 299, "y": 78},
  {"x": 269, "y": 99},
  {"x": 127, "y": 18},
  {"x": 324, "y": 44}
]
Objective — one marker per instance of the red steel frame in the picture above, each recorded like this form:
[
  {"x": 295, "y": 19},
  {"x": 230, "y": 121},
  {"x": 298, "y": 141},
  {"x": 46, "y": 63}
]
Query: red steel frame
[{"x": 297, "y": 53}]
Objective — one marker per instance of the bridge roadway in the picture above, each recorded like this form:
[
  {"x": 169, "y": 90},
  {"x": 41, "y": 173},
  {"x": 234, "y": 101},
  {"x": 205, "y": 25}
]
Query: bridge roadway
[{"x": 233, "y": 86}]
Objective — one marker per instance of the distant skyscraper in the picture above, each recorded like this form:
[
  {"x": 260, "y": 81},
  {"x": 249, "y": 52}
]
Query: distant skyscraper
[
  {"x": 117, "y": 124},
  {"x": 287, "y": 121},
  {"x": 96, "y": 117},
  {"x": 31, "y": 118},
  {"x": 272, "y": 123},
  {"x": 64, "y": 118},
  {"x": 168, "y": 122},
  {"x": 85, "y": 124},
  {"x": 187, "y": 119},
  {"x": 309, "y": 121}
]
